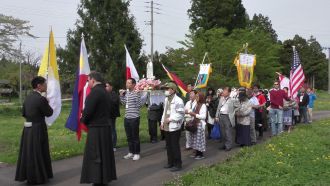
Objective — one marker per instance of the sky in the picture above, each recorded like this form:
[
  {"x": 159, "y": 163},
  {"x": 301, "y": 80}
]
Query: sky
[{"x": 289, "y": 17}]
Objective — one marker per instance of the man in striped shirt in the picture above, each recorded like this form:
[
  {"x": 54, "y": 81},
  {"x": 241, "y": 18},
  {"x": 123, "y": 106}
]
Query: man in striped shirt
[{"x": 133, "y": 102}]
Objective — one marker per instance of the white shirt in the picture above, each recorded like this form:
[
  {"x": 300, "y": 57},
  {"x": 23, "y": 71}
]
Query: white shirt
[
  {"x": 254, "y": 102},
  {"x": 224, "y": 105}
]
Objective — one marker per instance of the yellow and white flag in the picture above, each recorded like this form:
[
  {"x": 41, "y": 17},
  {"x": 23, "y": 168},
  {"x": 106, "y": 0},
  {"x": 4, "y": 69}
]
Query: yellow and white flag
[
  {"x": 245, "y": 68},
  {"x": 49, "y": 70}
]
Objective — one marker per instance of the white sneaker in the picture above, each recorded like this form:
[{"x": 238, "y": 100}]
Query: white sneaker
[
  {"x": 128, "y": 156},
  {"x": 136, "y": 157},
  {"x": 114, "y": 149}
]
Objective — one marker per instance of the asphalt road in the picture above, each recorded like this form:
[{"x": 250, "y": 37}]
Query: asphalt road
[{"x": 148, "y": 171}]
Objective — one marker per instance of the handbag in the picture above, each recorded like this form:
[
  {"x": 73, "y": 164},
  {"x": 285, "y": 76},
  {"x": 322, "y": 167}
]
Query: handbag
[
  {"x": 191, "y": 126},
  {"x": 215, "y": 133}
]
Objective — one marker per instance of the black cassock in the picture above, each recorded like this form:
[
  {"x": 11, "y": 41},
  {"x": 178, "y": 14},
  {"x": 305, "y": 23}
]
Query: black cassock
[
  {"x": 34, "y": 163},
  {"x": 99, "y": 161}
]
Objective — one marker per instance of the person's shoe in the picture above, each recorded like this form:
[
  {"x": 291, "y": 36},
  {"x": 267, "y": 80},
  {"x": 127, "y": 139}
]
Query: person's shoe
[
  {"x": 227, "y": 149},
  {"x": 168, "y": 166},
  {"x": 199, "y": 157},
  {"x": 114, "y": 149},
  {"x": 128, "y": 156},
  {"x": 136, "y": 157},
  {"x": 193, "y": 156},
  {"x": 186, "y": 149},
  {"x": 175, "y": 169}
]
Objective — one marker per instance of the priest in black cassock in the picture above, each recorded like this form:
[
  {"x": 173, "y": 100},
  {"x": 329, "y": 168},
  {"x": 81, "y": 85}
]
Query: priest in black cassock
[
  {"x": 99, "y": 161},
  {"x": 34, "y": 163}
]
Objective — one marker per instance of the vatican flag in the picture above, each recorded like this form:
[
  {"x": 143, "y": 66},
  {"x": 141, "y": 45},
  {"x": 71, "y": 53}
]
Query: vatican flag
[{"x": 49, "y": 70}]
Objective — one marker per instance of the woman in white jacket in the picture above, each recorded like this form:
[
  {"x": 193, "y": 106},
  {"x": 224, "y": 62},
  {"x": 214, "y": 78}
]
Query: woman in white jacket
[{"x": 198, "y": 142}]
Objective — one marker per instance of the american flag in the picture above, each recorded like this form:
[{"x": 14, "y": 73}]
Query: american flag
[{"x": 297, "y": 76}]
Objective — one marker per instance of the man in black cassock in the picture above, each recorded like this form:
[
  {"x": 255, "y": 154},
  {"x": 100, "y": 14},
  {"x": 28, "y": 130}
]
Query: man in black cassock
[
  {"x": 99, "y": 161},
  {"x": 34, "y": 163}
]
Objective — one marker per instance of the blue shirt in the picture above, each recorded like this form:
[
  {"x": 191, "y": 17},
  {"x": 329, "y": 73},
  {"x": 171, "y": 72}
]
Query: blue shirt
[{"x": 312, "y": 98}]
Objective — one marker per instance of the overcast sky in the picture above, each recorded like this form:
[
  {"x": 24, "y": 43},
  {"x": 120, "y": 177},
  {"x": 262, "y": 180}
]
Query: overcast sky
[{"x": 289, "y": 17}]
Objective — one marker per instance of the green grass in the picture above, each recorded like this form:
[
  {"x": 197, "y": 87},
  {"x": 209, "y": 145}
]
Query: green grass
[
  {"x": 299, "y": 158},
  {"x": 63, "y": 143},
  {"x": 322, "y": 101}
]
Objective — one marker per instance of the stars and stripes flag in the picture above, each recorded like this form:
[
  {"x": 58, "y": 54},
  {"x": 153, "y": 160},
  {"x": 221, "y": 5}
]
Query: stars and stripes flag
[{"x": 297, "y": 76}]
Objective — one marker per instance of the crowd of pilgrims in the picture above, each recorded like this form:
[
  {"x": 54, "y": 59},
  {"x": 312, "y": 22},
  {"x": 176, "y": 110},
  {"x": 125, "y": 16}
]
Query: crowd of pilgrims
[{"x": 232, "y": 116}]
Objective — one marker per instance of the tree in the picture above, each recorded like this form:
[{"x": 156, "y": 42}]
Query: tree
[
  {"x": 106, "y": 26},
  {"x": 10, "y": 30},
  {"x": 207, "y": 14},
  {"x": 222, "y": 50},
  {"x": 313, "y": 60},
  {"x": 260, "y": 22}
]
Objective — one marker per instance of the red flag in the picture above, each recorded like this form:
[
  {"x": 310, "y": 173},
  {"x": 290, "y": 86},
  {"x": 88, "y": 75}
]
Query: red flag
[{"x": 173, "y": 77}]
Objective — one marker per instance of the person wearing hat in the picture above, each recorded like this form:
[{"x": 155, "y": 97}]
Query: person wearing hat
[{"x": 171, "y": 122}]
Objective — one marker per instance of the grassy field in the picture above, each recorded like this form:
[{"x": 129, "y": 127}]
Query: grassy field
[
  {"x": 299, "y": 158},
  {"x": 322, "y": 101},
  {"x": 63, "y": 143}
]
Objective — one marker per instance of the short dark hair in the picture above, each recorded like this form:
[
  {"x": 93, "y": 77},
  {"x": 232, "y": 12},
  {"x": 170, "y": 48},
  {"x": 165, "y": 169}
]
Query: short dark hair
[
  {"x": 256, "y": 85},
  {"x": 286, "y": 88},
  {"x": 227, "y": 88},
  {"x": 108, "y": 82},
  {"x": 96, "y": 76},
  {"x": 36, "y": 81},
  {"x": 133, "y": 80}
]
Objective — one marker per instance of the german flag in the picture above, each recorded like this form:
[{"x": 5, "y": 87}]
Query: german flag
[{"x": 173, "y": 77}]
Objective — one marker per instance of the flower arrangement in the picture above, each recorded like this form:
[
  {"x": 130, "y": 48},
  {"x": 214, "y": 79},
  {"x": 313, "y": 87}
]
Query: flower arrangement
[{"x": 147, "y": 84}]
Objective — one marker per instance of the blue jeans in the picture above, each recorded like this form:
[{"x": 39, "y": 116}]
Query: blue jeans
[{"x": 276, "y": 119}]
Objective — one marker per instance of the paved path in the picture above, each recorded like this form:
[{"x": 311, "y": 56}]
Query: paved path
[{"x": 148, "y": 171}]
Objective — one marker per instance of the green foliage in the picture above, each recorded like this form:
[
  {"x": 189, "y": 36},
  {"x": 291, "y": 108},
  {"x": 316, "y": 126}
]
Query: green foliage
[
  {"x": 106, "y": 26},
  {"x": 299, "y": 158},
  {"x": 10, "y": 30},
  {"x": 222, "y": 49},
  {"x": 208, "y": 14},
  {"x": 312, "y": 58},
  {"x": 261, "y": 22}
]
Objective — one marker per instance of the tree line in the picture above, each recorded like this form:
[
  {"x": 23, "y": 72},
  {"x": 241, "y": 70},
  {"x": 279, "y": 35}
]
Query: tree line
[{"x": 218, "y": 27}]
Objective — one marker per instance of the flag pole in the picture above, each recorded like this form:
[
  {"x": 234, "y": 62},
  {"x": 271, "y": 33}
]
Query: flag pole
[
  {"x": 47, "y": 69},
  {"x": 206, "y": 53}
]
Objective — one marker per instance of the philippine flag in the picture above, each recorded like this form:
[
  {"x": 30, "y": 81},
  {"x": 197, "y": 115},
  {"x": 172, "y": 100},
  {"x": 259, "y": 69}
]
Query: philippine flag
[
  {"x": 130, "y": 68},
  {"x": 80, "y": 92}
]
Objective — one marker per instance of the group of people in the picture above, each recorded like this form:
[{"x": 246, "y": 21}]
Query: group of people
[{"x": 240, "y": 113}]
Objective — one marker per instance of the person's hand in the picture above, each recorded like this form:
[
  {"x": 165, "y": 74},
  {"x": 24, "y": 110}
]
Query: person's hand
[
  {"x": 161, "y": 127},
  {"x": 167, "y": 120},
  {"x": 121, "y": 92},
  {"x": 280, "y": 107},
  {"x": 192, "y": 114},
  {"x": 216, "y": 119}
]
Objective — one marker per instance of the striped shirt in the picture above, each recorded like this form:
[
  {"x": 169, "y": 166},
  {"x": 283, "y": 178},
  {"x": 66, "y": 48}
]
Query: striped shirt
[{"x": 132, "y": 101}]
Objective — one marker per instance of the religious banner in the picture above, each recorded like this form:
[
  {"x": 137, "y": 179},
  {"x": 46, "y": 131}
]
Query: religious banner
[
  {"x": 203, "y": 76},
  {"x": 245, "y": 67}
]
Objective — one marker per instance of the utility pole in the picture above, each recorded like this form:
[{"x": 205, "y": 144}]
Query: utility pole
[
  {"x": 20, "y": 73},
  {"x": 328, "y": 48},
  {"x": 151, "y": 23}
]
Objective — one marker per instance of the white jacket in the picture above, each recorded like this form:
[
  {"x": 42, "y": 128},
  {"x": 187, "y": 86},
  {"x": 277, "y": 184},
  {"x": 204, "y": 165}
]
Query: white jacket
[{"x": 176, "y": 113}]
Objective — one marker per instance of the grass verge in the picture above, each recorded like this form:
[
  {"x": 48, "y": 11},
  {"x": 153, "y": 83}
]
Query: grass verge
[{"x": 299, "y": 158}]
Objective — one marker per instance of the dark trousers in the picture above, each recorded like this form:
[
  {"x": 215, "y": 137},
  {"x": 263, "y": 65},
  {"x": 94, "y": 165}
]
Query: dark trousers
[
  {"x": 303, "y": 113},
  {"x": 209, "y": 130},
  {"x": 132, "y": 133},
  {"x": 258, "y": 121},
  {"x": 173, "y": 148},
  {"x": 152, "y": 124},
  {"x": 114, "y": 132}
]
